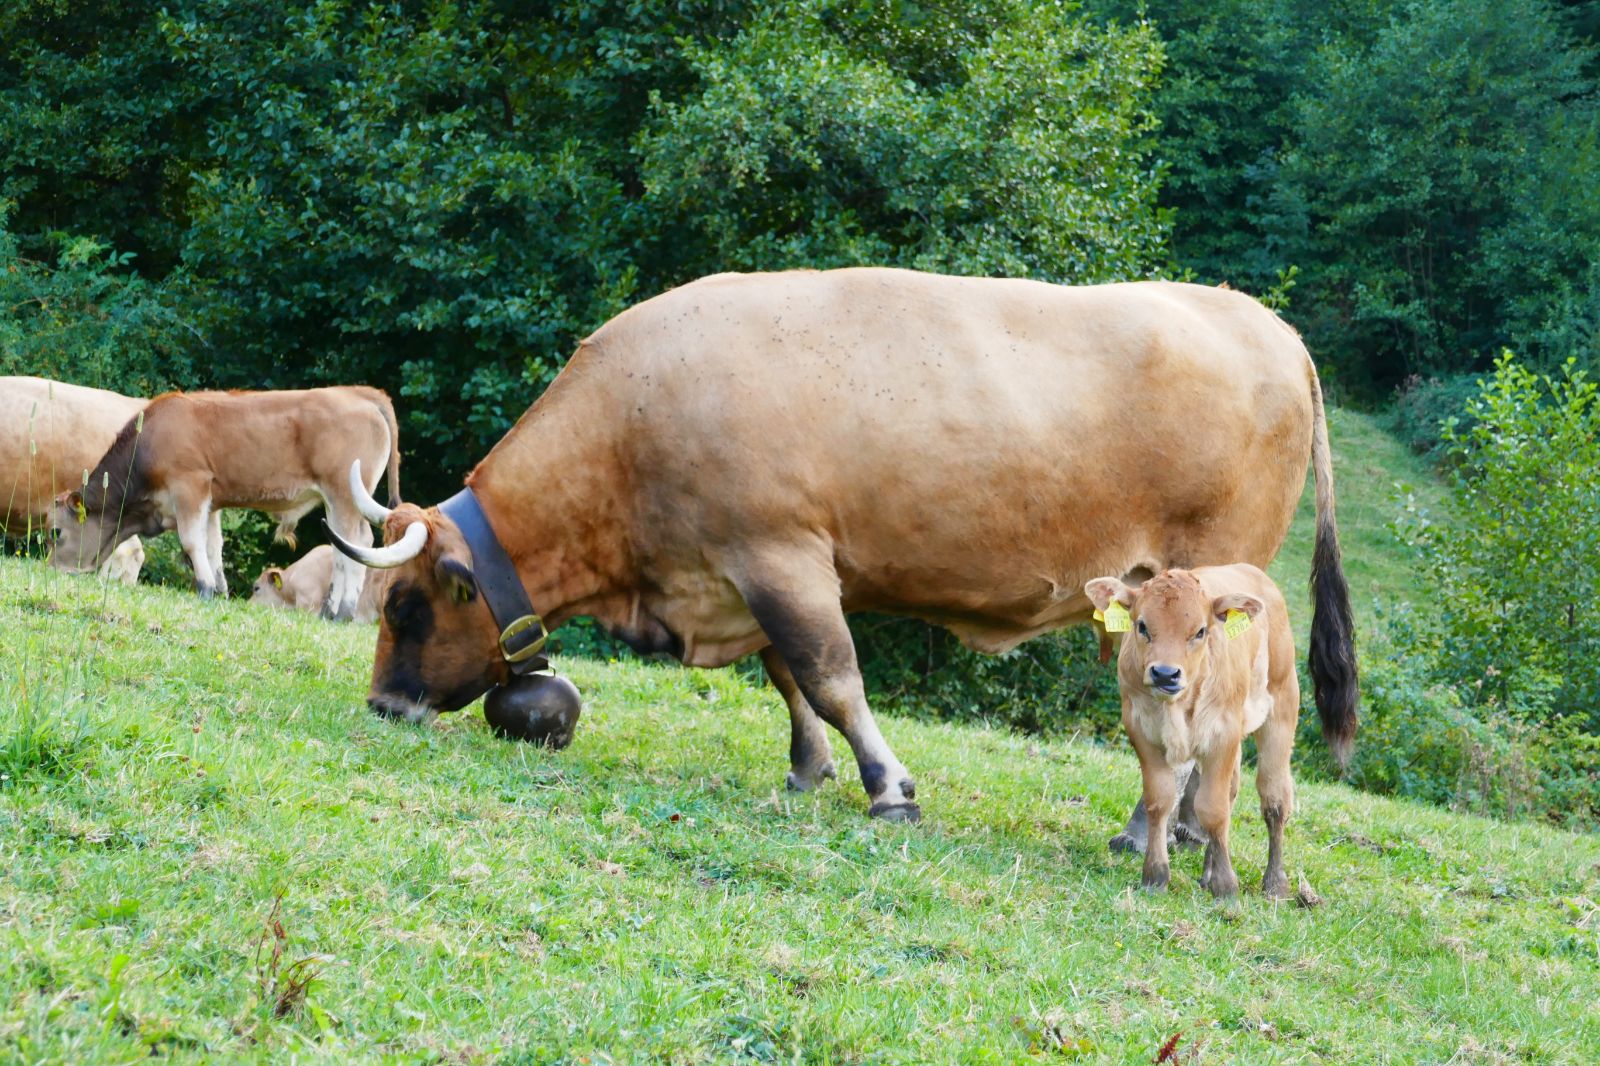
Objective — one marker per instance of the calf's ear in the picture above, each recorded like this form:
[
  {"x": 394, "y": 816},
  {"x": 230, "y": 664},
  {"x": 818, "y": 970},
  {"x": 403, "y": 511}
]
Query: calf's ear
[
  {"x": 275, "y": 576},
  {"x": 1236, "y": 601},
  {"x": 1103, "y": 590}
]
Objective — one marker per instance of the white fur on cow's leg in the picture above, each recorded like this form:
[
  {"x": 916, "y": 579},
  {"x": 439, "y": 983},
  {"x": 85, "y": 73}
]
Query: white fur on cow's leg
[
  {"x": 125, "y": 563},
  {"x": 1185, "y": 829},
  {"x": 795, "y": 599},
  {"x": 194, "y": 523},
  {"x": 344, "y": 591},
  {"x": 810, "y": 754},
  {"x": 219, "y": 576}
]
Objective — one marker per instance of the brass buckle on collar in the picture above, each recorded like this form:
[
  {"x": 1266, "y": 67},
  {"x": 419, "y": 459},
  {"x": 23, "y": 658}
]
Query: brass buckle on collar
[{"x": 521, "y": 625}]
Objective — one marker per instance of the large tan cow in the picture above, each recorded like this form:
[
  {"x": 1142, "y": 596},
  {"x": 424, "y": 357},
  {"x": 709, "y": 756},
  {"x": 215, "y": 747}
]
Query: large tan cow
[
  {"x": 51, "y": 435},
  {"x": 200, "y": 452},
  {"x": 303, "y": 585},
  {"x": 732, "y": 466},
  {"x": 1208, "y": 660}
]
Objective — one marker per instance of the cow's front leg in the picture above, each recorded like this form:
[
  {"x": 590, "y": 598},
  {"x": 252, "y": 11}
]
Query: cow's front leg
[
  {"x": 1186, "y": 830},
  {"x": 194, "y": 523},
  {"x": 810, "y": 754},
  {"x": 795, "y": 600}
]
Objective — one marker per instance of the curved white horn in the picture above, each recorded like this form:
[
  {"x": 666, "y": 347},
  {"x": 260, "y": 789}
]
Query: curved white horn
[
  {"x": 370, "y": 509},
  {"x": 408, "y": 547}
]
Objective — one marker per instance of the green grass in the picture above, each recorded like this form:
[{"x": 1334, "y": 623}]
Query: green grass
[
  {"x": 1372, "y": 470},
  {"x": 650, "y": 894}
]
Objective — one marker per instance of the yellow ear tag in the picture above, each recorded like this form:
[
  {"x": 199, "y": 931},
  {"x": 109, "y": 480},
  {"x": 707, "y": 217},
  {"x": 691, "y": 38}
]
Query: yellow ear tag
[
  {"x": 277, "y": 581},
  {"x": 83, "y": 515},
  {"x": 1235, "y": 623},
  {"x": 1115, "y": 618}
]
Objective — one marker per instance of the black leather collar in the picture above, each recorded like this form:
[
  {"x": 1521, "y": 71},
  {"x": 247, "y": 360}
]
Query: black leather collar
[{"x": 522, "y": 632}]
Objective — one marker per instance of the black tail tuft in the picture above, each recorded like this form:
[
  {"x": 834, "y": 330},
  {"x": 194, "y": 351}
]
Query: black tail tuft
[{"x": 1332, "y": 657}]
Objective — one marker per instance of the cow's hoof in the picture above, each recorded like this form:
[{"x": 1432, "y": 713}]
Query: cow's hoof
[
  {"x": 1189, "y": 837},
  {"x": 808, "y": 778},
  {"x": 1156, "y": 878},
  {"x": 1128, "y": 845},
  {"x": 1275, "y": 885},
  {"x": 909, "y": 813}
]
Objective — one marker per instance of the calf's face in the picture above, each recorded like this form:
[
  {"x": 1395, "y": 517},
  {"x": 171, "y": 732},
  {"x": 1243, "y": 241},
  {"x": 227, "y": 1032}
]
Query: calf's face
[
  {"x": 1175, "y": 626},
  {"x": 268, "y": 588},
  {"x": 81, "y": 537}
]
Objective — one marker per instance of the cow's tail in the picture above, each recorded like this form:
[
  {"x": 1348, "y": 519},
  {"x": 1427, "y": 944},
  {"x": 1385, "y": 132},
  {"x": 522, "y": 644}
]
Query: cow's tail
[
  {"x": 1332, "y": 658},
  {"x": 387, "y": 407}
]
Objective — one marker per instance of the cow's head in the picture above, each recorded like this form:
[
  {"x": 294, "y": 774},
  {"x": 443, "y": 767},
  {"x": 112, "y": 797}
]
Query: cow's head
[
  {"x": 438, "y": 646},
  {"x": 84, "y": 532},
  {"x": 268, "y": 588},
  {"x": 1173, "y": 625}
]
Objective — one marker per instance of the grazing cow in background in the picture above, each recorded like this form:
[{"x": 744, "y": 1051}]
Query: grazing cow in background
[
  {"x": 734, "y": 465},
  {"x": 303, "y": 585},
  {"x": 51, "y": 435},
  {"x": 196, "y": 453},
  {"x": 1208, "y": 660}
]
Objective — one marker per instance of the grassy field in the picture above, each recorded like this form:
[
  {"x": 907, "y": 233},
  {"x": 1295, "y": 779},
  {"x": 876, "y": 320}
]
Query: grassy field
[
  {"x": 177, "y": 777},
  {"x": 1371, "y": 471}
]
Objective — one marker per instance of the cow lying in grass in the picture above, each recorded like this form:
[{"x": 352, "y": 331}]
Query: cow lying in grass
[
  {"x": 303, "y": 585},
  {"x": 1207, "y": 660}
]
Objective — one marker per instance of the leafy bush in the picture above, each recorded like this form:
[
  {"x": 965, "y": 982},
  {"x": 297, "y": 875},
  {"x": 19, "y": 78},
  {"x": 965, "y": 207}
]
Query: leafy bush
[
  {"x": 1053, "y": 684},
  {"x": 83, "y": 316},
  {"x": 1424, "y": 406},
  {"x": 1429, "y": 740},
  {"x": 1516, "y": 562}
]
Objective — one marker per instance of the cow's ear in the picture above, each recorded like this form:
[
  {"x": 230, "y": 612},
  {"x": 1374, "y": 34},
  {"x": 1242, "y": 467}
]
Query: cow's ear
[
  {"x": 1236, "y": 601},
  {"x": 1102, "y": 591},
  {"x": 456, "y": 578},
  {"x": 275, "y": 576},
  {"x": 75, "y": 505}
]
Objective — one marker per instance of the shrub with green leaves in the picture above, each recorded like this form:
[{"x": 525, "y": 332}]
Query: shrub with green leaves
[{"x": 1515, "y": 564}]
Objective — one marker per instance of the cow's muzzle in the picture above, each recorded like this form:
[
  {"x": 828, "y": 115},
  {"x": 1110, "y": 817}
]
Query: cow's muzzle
[{"x": 1167, "y": 680}]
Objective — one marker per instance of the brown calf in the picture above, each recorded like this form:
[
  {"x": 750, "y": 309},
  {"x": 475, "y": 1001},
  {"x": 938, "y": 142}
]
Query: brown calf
[
  {"x": 191, "y": 455},
  {"x": 1208, "y": 660}
]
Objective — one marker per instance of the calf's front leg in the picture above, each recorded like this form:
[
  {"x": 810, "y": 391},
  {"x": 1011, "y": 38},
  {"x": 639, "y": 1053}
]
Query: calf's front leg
[
  {"x": 1160, "y": 796},
  {"x": 1213, "y": 805},
  {"x": 194, "y": 521}
]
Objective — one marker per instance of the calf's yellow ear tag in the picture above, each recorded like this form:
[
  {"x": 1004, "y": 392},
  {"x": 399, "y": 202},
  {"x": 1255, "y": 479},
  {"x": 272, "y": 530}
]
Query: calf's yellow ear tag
[
  {"x": 1235, "y": 622},
  {"x": 1115, "y": 618}
]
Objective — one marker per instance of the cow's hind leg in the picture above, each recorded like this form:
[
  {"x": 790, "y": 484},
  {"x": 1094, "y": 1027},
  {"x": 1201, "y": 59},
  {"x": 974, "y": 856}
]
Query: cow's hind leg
[
  {"x": 219, "y": 577},
  {"x": 1186, "y": 830},
  {"x": 810, "y": 754},
  {"x": 795, "y": 600},
  {"x": 344, "y": 591}
]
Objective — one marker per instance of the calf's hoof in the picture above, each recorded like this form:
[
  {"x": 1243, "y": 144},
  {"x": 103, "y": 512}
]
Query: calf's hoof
[
  {"x": 909, "y": 813},
  {"x": 804, "y": 779},
  {"x": 1223, "y": 887},
  {"x": 1275, "y": 885},
  {"x": 1156, "y": 877},
  {"x": 1127, "y": 844}
]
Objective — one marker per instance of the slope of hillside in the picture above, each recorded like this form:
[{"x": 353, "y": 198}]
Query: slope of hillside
[
  {"x": 172, "y": 773},
  {"x": 1372, "y": 471}
]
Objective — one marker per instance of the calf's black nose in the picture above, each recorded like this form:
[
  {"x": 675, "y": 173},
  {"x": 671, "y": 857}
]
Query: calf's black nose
[{"x": 1165, "y": 675}]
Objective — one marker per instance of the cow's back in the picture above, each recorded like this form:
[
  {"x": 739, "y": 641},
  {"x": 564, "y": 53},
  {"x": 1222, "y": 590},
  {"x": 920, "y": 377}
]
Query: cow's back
[
  {"x": 50, "y": 434},
  {"x": 972, "y": 450}
]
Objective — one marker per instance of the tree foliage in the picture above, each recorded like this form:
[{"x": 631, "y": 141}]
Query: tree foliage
[{"x": 441, "y": 198}]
